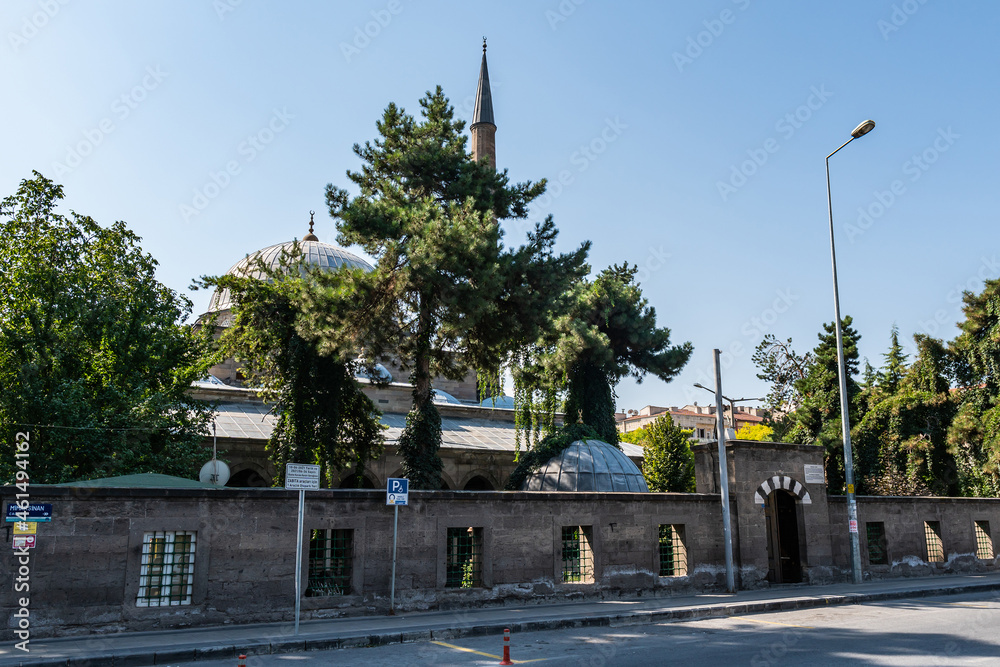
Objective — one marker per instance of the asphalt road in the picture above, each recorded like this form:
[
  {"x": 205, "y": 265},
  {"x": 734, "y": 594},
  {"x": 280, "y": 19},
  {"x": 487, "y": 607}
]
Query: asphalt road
[{"x": 955, "y": 630}]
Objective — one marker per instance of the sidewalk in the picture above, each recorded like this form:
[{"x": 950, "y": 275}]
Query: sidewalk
[{"x": 149, "y": 648}]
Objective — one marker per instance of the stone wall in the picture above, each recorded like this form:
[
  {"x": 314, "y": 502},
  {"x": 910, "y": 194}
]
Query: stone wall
[
  {"x": 903, "y": 520},
  {"x": 85, "y": 571}
]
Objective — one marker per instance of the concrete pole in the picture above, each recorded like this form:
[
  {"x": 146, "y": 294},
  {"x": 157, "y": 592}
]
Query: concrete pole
[{"x": 724, "y": 477}]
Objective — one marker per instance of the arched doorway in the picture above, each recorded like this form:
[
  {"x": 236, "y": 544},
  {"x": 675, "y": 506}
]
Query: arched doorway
[
  {"x": 248, "y": 477},
  {"x": 479, "y": 483},
  {"x": 784, "y": 555},
  {"x": 357, "y": 481}
]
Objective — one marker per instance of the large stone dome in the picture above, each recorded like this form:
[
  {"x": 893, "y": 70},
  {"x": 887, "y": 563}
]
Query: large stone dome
[
  {"x": 314, "y": 254},
  {"x": 588, "y": 465}
]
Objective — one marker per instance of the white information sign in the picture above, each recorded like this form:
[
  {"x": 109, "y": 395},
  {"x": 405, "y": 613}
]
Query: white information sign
[
  {"x": 396, "y": 491},
  {"x": 814, "y": 474},
  {"x": 301, "y": 476}
]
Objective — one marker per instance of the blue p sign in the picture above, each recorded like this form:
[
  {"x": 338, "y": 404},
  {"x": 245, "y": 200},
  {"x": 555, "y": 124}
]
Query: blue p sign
[{"x": 396, "y": 489}]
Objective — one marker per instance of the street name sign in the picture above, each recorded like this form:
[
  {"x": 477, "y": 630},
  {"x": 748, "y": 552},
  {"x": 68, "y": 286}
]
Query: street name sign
[{"x": 36, "y": 512}]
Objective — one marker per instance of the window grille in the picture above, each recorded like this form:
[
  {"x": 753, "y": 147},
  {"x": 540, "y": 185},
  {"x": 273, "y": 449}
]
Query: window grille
[
  {"x": 935, "y": 547},
  {"x": 465, "y": 558},
  {"x": 331, "y": 560},
  {"x": 673, "y": 553},
  {"x": 577, "y": 555},
  {"x": 166, "y": 573},
  {"x": 984, "y": 542},
  {"x": 878, "y": 553}
]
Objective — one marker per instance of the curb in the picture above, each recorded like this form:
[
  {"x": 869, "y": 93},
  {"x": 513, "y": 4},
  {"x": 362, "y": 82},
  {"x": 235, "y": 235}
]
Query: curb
[{"x": 720, "y": 610}]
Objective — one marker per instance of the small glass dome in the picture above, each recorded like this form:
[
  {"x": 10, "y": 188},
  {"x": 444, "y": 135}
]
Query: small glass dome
[
  {"x": 314, "y": 254},
  {"x": 588, "y": 465}
]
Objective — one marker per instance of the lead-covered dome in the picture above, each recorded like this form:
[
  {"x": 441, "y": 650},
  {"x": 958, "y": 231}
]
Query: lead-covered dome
[
  {"x": 588, "y": 465},
  {"x": 314, "y": 254}
]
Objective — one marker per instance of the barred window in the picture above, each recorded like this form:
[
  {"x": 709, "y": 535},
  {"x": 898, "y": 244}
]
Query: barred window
[
  {"x": 577, "y": 554},
  {"x": 465, "y": 558},
  {"x": 984, "y": 541},
  {"x": 331, "y": 561},
  {"x": 878, "y": 554},
  {"x": 935, "y": 547},
  {"x": 673, "y": 552},
  {"x": 166, "y": 573}
]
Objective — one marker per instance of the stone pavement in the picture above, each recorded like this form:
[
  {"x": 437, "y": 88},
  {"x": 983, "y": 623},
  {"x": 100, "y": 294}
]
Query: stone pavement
[{"x": 137, "y": 649}]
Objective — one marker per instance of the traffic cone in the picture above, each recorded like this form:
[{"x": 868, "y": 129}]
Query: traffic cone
[
  {"x": 242, "y": 660},
  {"x": 506, "y": 647}
]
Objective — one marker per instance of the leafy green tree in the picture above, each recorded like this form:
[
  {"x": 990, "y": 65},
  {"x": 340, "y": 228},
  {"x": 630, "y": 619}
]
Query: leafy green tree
[
  {"x": 975, "y": 432},
  {"x": 445, "y": 295},
  {"x": 668, "y": 462},
  {"x": 608, "y": 333},
  {"x": 95, "y": 362},
  {"x": 782, "y": 367},
  {"x": 900, "y": 444},
  {"x": 818, "y": 418},
  {"x": 323, "y": 416}
]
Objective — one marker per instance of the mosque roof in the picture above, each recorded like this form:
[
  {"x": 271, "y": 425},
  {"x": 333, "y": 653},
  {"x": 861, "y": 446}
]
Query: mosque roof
[
  {"x": 255, "y": 421},
  {"x": 314, "y": 254},
  {"x": 588, "y": 465}
]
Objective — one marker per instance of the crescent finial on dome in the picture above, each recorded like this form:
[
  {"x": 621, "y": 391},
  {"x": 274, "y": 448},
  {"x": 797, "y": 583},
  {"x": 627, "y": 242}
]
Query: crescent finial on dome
[{"x": 310, "y": 236}]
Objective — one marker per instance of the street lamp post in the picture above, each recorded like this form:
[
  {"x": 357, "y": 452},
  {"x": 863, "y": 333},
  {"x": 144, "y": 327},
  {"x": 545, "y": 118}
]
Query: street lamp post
[
  {"x": 732, "y": 402},
  {"x": 852, "y": 504}
]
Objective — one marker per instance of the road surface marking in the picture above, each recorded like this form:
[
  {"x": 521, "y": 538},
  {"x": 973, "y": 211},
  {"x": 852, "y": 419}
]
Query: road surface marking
[
  {"x": 760, "y": 620},
  {"x": 488, "y": 655}
]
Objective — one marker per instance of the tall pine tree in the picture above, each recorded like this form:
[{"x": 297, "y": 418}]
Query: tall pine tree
[
  {"x": 818, "y": 418},
  {"x": 445, "y": 295}
]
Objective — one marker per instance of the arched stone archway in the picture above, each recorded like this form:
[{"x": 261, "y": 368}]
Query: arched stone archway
[
  {"x": 479, "y": 483},
  {"x": 248, "y": 475},
  {"x": 784, "y": 482},
  {"x": 358, "y": 481}
]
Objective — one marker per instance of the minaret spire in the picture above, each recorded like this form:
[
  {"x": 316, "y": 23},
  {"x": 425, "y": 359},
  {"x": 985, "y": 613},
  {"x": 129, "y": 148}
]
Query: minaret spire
[{"x": 483, "y": 127}]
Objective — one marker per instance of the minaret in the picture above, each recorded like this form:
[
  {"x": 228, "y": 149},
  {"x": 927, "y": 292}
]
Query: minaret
[{"x": 483, "y": 129}]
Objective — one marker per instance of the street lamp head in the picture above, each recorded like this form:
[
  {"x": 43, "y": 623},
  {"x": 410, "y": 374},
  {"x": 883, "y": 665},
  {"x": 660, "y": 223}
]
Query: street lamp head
[
  {"x": 701, "y": 386},
  {"x": 863, "y": 129}
]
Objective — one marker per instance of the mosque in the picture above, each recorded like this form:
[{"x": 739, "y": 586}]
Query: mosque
[{"x": 478, "y": 434}]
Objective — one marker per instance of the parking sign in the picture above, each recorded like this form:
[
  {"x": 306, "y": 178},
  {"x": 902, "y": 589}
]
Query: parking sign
[{"x": 396, "y": 491}]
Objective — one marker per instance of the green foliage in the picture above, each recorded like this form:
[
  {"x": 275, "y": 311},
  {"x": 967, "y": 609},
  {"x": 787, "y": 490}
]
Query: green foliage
[
  {"x": 94, "y": 359},
  {"x": 608, "y": 333},
  {"x": 900, "y": 444},
  {"x": 446, "y": 295},
  {"x": 818, "y": 418},
  {"x": 418, "y": 446},
  {"x": 668, "y": 462},
  {"x": 974, "y": 435},
  {"x": 782, "y": 368},
  {"x": 550, "y": 446},
  {"x": 323, "y": 415},
  {"x": 756, "y": 432},
  {"x": 895, "y": 365}
]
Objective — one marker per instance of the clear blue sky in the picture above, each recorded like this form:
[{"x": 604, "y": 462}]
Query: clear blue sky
[{"x": 707, "y": 126}]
